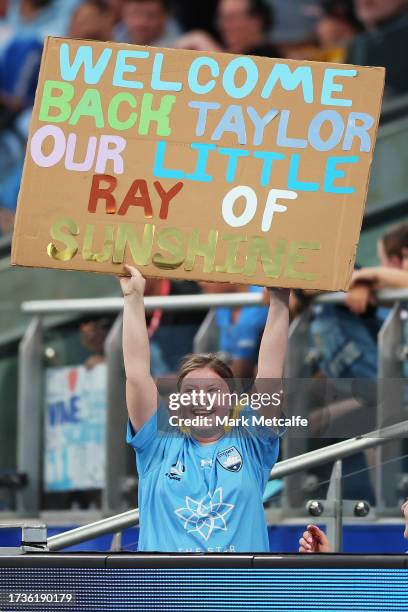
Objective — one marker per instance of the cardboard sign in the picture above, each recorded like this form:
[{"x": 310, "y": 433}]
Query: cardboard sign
[{"x": 197, "y": 165}]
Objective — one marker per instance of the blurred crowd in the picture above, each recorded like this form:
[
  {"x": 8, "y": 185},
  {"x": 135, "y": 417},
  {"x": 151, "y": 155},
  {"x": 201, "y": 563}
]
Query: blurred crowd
[{"x": 365, "y": 32}]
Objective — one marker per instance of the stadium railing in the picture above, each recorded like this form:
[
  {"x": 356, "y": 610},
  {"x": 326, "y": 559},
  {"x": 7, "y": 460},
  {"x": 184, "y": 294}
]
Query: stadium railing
[
  {"x": 334, "y": 514},
  {"x": 30, "y": 395}
]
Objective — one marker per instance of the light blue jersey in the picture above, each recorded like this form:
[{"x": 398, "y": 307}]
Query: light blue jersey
[{"x": 202, "y": 498}]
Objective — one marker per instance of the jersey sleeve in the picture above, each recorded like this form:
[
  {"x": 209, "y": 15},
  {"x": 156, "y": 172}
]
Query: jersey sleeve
[
  {"x": 264, "y": 443},
  {"x": 266, "y": 451},
  {"x": 148, "y": 443}
]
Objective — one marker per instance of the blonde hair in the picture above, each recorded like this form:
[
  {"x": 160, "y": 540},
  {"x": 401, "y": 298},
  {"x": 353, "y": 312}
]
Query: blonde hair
[{"x": 205, "y": 360}]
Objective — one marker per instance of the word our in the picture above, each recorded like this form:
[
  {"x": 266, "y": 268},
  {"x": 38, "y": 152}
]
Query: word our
[{"x": 49, "y": 146}]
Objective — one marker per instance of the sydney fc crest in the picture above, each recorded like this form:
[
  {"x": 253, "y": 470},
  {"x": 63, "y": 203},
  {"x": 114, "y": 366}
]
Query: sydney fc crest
[{"x": 230, "y": 459}]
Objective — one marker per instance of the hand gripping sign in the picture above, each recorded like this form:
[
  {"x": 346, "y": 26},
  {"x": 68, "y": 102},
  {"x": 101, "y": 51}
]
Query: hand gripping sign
[{"x": 205, "y": 166}]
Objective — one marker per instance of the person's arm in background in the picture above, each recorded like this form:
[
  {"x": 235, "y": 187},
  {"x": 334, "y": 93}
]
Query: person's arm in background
[
  {"x": 314, "y": 540},
  {"x": 360, "y": 297},
  {"x": 382, "y": 276},
  {"x": 274, "y": 341},
  {"x": 141, "y": 391}
]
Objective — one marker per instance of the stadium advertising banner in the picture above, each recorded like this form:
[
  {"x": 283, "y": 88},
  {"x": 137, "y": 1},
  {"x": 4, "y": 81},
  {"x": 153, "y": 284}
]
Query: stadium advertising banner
[
  {"x": 75, "y": 420},
  {"x": 205, "y": 166}
]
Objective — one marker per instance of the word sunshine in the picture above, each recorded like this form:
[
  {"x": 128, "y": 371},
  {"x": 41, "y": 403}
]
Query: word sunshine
[{"x": 172, "y": 248}]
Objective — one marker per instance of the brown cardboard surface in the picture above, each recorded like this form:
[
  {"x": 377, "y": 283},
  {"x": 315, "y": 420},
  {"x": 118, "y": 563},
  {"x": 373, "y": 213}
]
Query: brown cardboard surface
[{"x": 222, "y": 223}]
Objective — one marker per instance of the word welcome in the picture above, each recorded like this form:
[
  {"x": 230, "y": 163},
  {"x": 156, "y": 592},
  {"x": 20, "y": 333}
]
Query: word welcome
[{"x": 239, "y": 79}]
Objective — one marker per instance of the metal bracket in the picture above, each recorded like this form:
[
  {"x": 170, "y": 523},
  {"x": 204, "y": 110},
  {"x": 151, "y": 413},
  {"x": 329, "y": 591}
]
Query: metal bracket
[
  {"x": 116, "y": 545},
  {"x": 33, "y": 539},
  {"x": 333, "y": 508}
]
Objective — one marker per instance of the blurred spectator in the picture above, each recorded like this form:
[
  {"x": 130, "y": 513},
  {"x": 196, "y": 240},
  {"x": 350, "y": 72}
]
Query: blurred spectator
[
  {"x": 197, "y": 40},
  {"x": 92, "y": 20},
  {"x": 116, "y": 9},
  {"x": 3, "y": 8},
  {"x": 346, "y": 344},
  {"x": 7, "y": 217},
  {"x": 294, "y": 27},
  {"x": 243, "y": 26},
  {"x": 239, "y": 329},
  {"x": 393, "y": 255},
  {"x": 377, "y": 13},
  {"x": 39, "y": 18},
  {"x": 386, "y": 41},
  {"x": 195, "y": 15},
  {"x": 335, "y": 29},
  {"x": 119, "y": 29},
  {"x": 93, "y": 334},
  {"x": 171, "y": 333},
  {"x": 19, "y": 68},
  {"x": 148, "y": 22},
  {"x": 6, "y": 31},
  {"x": 392, "y": 272},
  {"x": 347, "y": 341},
  {"x": 294, "y": 20},
  {"x": 8, "y": 199}
]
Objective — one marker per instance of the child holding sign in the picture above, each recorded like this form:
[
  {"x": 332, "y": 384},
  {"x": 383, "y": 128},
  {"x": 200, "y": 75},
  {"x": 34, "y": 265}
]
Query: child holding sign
[{"x": 200, "y": 491}]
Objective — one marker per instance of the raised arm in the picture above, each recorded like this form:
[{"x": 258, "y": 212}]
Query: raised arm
[
  {"x": 274, "y": 341},
  {"x": 141, "y": 391}
]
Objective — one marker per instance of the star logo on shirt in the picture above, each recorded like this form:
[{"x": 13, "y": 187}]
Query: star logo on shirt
[{"x": 205, "y": 515}]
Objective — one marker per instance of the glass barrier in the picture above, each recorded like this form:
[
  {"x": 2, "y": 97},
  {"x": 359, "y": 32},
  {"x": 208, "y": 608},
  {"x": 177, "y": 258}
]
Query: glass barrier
[{"x": 74, "y": 415}]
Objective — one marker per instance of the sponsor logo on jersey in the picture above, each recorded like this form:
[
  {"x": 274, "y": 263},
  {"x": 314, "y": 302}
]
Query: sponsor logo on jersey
[
  {"x": 230, "y": 459},
  {"x": 176, "y": 471},
  {"x": 206, "y": 515}
]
